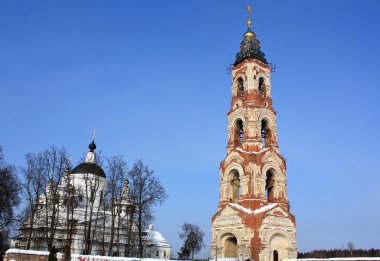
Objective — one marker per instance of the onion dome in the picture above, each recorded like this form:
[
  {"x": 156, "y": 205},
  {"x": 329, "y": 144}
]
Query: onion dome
[
  {"x": 90, "y": 168},
  {"x": 250, "y": 45},
  {"x": 92, "y": 146},
  {"x": 155, "y": 238}
]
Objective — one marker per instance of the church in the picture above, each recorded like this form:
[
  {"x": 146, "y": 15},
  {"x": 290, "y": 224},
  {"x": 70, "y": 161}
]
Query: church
[
  {"x": 82, "y": 221},
  {"x": 253, "y": 220}
]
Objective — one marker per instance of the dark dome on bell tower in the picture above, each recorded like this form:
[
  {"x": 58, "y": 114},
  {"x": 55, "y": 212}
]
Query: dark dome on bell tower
[{"x": 250, "y": 45}]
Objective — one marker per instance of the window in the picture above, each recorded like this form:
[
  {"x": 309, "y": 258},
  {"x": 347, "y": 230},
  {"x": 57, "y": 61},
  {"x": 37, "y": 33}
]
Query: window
[
  {"x": 239, "y": 132},
  {"x": 92, "y": 197},
  {"x": 157, "y": 254},
  {"x": 265, "y": 133},
  {"x": 269, "y": 185},
  {"x": 101, "y": 198},
  {"x": 275, "y": 255},
  {"x": 261, "y": 84},
  {"x": 240, "y": 85},
  {"x": 235, "y": 185}
]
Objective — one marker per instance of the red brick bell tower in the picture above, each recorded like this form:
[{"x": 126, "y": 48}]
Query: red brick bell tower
[{"x": 253, "y": 218}]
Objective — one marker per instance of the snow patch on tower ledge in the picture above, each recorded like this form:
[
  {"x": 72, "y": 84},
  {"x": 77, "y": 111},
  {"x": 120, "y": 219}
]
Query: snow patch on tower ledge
[{"x": 256, "y": 211}]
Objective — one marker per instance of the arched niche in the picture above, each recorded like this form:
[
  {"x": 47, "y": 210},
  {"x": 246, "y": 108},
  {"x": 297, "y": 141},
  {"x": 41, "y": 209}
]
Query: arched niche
[
  {"x": 228, "y": 241},
  {"x": 279, "y": 247},
  {"x": 270, "y": 185},
  {"x": 240, "y": 86},
  {"x": 230, "y": 247}
]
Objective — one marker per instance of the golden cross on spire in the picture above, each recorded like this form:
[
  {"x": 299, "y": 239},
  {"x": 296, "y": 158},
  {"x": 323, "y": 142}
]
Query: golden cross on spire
[{"x": 249, "y": 23}]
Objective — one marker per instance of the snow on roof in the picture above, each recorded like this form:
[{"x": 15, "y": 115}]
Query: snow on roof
[
  {"x": 251, "y": 152},
  {"x": 256, "y": 211},
  {"x": 155, "y": 238}
]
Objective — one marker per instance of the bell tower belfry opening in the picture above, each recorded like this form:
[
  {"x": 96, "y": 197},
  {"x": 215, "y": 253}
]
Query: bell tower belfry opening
[{"x": 253, "y": 218}]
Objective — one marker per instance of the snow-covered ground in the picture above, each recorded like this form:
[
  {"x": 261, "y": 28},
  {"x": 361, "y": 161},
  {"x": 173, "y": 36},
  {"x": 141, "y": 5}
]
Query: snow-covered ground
[
  {"x": 76, "y": 257},
  {"x": 337, "y": 259}
]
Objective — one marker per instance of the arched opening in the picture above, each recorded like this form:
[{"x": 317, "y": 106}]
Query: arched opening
[
  {"x": 269, "y": 185},
  {"x": 230, "y": 247},
  {"x": 261, "y": 84},
  {"x": 235, "y": 185},
  {"x": 240, "y": 85},
  {"x": 279, "y": 247},
  {"x": 265, "y": 133},
  {"x": 239, "y": 132}
]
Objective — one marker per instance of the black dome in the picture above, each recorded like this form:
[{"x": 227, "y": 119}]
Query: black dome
[{"x": 88, "y": 167}]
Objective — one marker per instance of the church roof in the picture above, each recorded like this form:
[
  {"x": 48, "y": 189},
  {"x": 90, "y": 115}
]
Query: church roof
[
  {"x": 89, "y": 167},
  {"x": 155, "y": 238},
  {"x": 250, "y": 48}
]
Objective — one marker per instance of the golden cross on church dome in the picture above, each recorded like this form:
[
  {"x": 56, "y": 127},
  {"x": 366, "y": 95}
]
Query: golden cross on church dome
[
  {"x": 249, "y": 23},
  {"x": 249, "y": 33}
]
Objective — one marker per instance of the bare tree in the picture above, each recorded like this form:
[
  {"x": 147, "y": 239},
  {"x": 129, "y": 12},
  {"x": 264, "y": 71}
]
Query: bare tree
[
  {"x": 146, "y": 191},
  {"x": 34, "y": 175},
  {"x": 42, "y": 173},
  {"x": 193, "y": 239},
  {"x": 350, "y": 247},
  {"x": 69, "y": 203},
  {"x": 55, "y": 161},
  {"x": 9, "y": 192},
  {"x": 92, "y": 185},
  {"x": 116, "y": 174},
  {"x": 9, "y": 198}
]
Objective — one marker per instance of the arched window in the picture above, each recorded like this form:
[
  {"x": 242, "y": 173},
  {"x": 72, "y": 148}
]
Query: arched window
[
  {"x": 269, "y": 185},
  {"x": 265, "y": 133},
  {"x": 235, "y": 185},
  {"x": 261, "y": 84},
  {"x": 240, "y": 85},
  {"x": 239, "y": 132}
]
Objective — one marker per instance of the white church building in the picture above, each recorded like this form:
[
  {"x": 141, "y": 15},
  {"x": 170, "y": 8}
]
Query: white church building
[{"x": 83, "y": 223}]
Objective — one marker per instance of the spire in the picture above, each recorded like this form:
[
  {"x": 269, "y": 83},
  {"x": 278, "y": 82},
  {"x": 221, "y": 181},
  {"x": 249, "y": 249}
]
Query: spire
[
  {"x": 250, "y": 45},
  {"x": 249, "y": 32}
]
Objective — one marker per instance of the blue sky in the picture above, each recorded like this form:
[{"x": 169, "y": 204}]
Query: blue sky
[{"x": 151, "y": 77}]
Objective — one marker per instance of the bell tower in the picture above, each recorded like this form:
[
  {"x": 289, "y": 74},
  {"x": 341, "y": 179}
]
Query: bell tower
[{"x": 253, "y": 218}]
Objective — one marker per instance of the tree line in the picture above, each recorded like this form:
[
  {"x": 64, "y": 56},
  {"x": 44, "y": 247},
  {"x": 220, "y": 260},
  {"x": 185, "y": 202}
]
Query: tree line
[
  {"x": 350, "y": 251},
  {"x": 41, "y": 176}
]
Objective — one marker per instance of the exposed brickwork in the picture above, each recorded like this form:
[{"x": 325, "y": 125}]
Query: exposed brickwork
[{"x": 259, "y": 217}]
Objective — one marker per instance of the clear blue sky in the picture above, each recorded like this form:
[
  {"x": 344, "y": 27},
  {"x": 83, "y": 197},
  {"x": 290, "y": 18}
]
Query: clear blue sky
[{"x": 151, "y": 77}]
